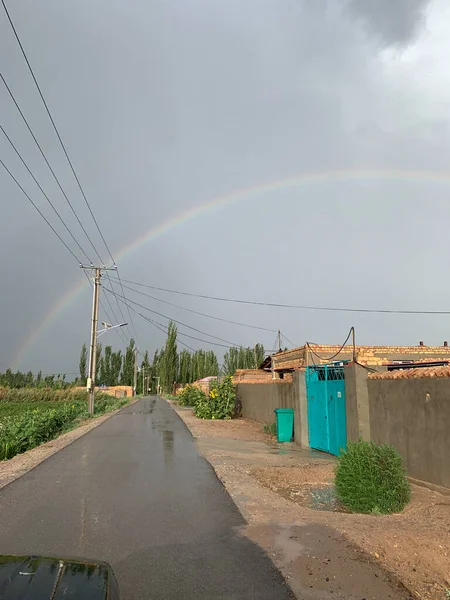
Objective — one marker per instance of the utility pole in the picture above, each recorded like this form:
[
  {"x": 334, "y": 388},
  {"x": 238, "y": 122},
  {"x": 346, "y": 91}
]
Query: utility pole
[
  {"x": 135, "y": 372},
  {"x": 143, "y": 380},
  {"x": 279, "y": 341},
  {"x": 94, "y": 323},
  {"x": 93, "y": 344}
]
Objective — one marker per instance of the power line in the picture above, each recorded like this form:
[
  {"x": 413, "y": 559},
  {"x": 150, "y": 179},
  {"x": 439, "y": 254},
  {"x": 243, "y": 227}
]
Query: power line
[
  {"x": 53, "y": 124},
  {"x": 43, "y": 192},
  {"x": 164, "y": 330},
  {"x": 296, "y": 306},
  {"x": 62, "y": 191},
  {"x": 230, "y": 344},
  {"x": 40, "y": 212},
  {"x": 55, "y": 128},
  {"x": 44, "y": 156},
  {"x": 283, "y": 336},
  {"x": 198, "y": 312},
  {"x": 327, "y": 358},
  {"x": 117, "y": 330}
]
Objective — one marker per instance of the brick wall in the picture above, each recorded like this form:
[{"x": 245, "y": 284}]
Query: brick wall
[
  {"x": 258, "y": 376},
  {"x": 118, "y": 391},
  {"x": 366, "y": 355}
]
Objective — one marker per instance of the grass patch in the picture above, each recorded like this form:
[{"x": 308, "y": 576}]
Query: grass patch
[
  {"x": 371, "y": 478},
  {"x": 270, "y": 428},
  {"x": 25, "y": 425}
]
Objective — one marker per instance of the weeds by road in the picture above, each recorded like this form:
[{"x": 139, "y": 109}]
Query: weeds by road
[{"x": 25, "y": 425}]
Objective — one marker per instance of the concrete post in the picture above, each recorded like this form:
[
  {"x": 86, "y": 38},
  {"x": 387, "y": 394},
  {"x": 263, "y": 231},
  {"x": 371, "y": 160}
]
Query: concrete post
[
  {"x": 301, "y": 430},
  {"x": 357, "y": 403}
]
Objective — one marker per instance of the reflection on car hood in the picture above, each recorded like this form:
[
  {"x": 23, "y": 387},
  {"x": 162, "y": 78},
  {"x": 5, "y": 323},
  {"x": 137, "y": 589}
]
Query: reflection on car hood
[{"x": 39, "y": 578}]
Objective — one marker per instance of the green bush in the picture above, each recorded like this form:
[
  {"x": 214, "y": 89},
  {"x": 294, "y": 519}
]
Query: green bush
[
  {"x": 191, "y": 396},
  {"x": 219, "y": 404},
  {"x": 270, "y": 428},
  {"x": 26, "y": 425},
  {"x": 370, "y": 478}
]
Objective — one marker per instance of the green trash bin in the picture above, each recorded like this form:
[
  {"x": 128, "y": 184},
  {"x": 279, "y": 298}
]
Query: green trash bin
[{"x": 285, "y": 424}]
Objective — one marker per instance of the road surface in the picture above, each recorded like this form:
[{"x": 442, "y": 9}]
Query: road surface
[{"x": 135, "y": 492}]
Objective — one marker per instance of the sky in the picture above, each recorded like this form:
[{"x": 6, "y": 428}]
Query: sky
[{"x": 167, "y": 105}]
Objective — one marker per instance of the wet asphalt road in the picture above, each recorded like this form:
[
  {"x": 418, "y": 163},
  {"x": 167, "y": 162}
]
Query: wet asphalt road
[{"x": 136, "y": 493}]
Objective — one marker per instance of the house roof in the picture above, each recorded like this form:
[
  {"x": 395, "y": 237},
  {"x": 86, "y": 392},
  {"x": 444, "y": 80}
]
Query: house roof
[
  {"x": 311, "y": 354},
  {"x": 413, "y": 373}
]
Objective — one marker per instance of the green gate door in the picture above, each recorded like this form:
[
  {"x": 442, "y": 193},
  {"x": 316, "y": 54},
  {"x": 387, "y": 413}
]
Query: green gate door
[{"x": 325, "y": 386}]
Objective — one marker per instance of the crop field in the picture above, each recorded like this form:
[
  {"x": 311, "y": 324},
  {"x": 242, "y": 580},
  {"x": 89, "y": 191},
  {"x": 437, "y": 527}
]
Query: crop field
[{"x": 27, "y": 420}]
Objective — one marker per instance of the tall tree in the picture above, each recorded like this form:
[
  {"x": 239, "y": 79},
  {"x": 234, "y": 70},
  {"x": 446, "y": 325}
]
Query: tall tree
[
  {"x": 98, "y": 358},
  {"x": 127, "y": 377},
  {"x": 184, "y": 361},
  {"x": 83, "y": 364},
  {"x": 169, "y": 363},
  {"x": 144, "y": 373},
  {"x": 105, "y": 367},
  {"x": 116, "y": 367}
]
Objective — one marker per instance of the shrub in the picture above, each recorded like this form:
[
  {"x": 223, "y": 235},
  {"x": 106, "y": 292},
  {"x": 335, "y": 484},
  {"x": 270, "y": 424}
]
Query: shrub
[
  {"x": 190, "y": 396},
  {"x": 370, "y": 478},
  {"x": 219, "y": 404},
  {"x": 270, "y": 428}
]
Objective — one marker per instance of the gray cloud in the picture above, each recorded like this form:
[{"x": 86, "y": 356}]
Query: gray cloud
[{"x": 393, "y": 22}]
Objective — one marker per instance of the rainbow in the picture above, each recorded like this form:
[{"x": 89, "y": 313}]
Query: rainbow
[{"x": 248, "y": 193}]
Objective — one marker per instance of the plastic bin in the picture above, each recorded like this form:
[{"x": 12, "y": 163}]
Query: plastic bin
[{"x": 285, "y": 424}]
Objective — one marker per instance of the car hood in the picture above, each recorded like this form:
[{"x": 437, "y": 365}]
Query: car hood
[{"x": 43, "y": 578}]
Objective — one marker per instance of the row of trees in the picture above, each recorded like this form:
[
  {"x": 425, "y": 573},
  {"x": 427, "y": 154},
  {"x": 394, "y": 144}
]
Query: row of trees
[
  {"x": 8, "y": 379},
  {"x": 168, "y": 366}
]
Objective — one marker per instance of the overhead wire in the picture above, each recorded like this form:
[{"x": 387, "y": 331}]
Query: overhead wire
[
  {"x": 55, "y": 128},
  {"x": 295, "y": 306},
  {"x": 40, "y": 212},
  {"x": 44, "y": 193},
  {"x": 229, "y": 344},
  {"x": 284, "y": 337},
  {"x": 198, "y": 312},
  {"x": 226, "y": 345},
  {"x": 334, "y": 355}
]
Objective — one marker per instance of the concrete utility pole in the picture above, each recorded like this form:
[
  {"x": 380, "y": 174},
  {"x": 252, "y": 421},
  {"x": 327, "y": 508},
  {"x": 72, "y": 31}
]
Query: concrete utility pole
[
  {"x": 90, "y": 384},
  {"x": 279, "y": 340},
  {"x": 93, "y": 345},
  {"x": 135, "y": 372},
  {"x": 143, "y": 380}
]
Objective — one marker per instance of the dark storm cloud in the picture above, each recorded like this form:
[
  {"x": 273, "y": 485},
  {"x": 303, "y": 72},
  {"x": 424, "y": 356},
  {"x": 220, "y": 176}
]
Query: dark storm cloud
[{"x": 395, "y": 22}]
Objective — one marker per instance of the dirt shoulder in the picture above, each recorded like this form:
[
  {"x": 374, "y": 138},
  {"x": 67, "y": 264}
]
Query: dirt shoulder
[
  {"x": 287, "y": 498},
  {"x": 15, "y": 467}
]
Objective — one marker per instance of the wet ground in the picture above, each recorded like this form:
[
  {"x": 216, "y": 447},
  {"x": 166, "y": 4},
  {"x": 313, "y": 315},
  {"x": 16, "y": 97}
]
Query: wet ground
[
  {"x": 136, "y": 493},
  {"x": 286, "y": 495}
]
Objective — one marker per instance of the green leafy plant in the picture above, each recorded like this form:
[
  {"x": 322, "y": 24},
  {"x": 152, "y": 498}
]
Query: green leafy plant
[
  {"x": 370, "y": 478},
  {"x": 191, "y": 396},
  {"x": 25, "y": 425},
  {"x": 220, "y": 404},
  {"x": 270, "y": 428}
]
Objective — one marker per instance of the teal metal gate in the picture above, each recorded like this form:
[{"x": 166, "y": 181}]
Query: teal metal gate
[{"x": 325, "y": 385}]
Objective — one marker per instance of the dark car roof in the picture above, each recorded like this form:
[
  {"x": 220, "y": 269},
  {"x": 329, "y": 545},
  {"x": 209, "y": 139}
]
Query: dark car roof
[{"x": 42, "y": 578}]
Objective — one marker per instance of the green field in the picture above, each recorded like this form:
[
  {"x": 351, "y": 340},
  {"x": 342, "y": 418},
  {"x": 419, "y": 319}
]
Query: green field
[{"x": 26, "y": 421}]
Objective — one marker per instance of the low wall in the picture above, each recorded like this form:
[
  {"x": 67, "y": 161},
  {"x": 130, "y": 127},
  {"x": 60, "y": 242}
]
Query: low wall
[
  {"x": 259, "y": 400},
  {"x": 414, "y": 416},
  {"x": 118, "y": 391}
]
